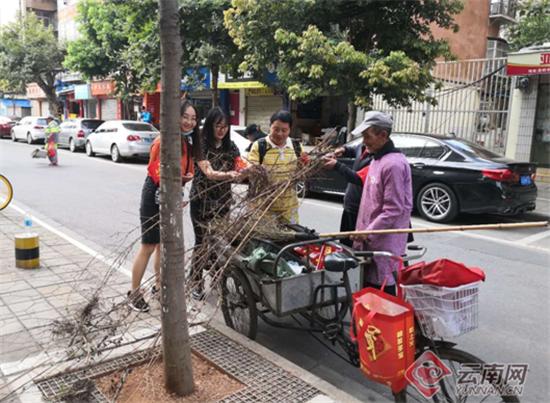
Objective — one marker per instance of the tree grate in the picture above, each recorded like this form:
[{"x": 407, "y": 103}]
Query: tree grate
[{"x": 265, "y": 382}]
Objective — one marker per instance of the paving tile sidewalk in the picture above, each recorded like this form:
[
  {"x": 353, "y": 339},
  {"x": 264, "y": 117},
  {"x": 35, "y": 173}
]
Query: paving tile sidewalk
[{"x": 30, "y": 299}]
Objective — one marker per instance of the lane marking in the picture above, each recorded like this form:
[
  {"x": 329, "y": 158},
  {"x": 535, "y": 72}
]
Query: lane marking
[
  {"x": 322, "y": 205},
  {"x": 96, "y": 255},
  {"x": 534, "y": 238},
  {"x": 417, "y": 223}
]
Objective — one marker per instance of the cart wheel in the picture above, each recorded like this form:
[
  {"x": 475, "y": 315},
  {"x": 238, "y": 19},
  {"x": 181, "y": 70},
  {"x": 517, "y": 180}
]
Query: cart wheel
[{"x": 238, "y": 303}]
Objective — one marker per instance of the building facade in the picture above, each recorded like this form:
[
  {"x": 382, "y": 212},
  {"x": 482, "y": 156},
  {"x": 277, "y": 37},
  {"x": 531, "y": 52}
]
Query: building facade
[{"x": 529, "y": 137}]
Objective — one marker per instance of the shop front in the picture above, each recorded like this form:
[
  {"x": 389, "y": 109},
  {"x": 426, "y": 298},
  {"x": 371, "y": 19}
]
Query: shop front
[
  {"x": 106, "y": 103},
  {"x": 529, "y": 135}
]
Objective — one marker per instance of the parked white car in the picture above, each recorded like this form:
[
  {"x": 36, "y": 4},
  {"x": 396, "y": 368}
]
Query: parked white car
[
  {"x": 30, "y": 128},
  {"x": 237, "y": 136},
  {"x": 121, "y": 139}
]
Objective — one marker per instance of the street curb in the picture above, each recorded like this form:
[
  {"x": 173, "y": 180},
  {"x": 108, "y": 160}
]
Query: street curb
[{"x": 332, "y": 392}]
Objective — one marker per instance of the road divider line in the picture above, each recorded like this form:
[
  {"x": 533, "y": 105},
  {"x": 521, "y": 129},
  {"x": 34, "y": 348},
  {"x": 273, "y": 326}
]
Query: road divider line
[
  {"x": 96, "y": 255},
  {"x": 534, "y": 238}
]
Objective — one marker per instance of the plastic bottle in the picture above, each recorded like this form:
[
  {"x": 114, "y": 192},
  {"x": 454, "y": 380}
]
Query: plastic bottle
[{"x": 28, "y": 224}]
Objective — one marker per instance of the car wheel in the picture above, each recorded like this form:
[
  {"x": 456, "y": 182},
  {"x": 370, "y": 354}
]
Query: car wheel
[
  {"x": 301, "y": 189},
  {"x": 437, "y": 202},
  {"x": 29, "y": 138},
  {"x": 72, "y": 146},
  {"x": 115, "y": 154},
  {"x": 89, "y": 151}
]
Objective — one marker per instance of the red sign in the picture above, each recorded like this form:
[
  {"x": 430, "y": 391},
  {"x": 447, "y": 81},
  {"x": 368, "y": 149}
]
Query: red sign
[
  {"x": 102, "y": 88},
  {"x": 528, "y": 63},
  {"x": 34, "y": 91}
]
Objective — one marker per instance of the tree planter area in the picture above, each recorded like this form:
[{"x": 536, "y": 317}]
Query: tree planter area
[{"x": 224, "y": 371}]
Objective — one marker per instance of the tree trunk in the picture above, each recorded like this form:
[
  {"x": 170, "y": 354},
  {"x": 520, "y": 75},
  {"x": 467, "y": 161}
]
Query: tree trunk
[
  {"x": 352, "y": 116},
  {"x": 175, "y": 329},
  {"x": 215, "y": 92}
]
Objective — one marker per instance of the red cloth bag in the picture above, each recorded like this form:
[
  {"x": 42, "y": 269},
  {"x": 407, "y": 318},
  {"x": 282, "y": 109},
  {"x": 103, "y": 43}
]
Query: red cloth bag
[
  {"x": 384, "y": 331},
  {"x": 441, "y": 272}
]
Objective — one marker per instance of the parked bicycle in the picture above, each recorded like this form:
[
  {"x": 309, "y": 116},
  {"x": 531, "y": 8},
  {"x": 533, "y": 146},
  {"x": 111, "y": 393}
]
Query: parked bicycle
[
  {"x": 6, "y": 192},
  {"x": 320, "y": 302}
]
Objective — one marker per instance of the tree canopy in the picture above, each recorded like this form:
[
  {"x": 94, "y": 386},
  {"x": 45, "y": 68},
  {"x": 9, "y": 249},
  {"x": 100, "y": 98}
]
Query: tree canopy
[
  {"x": 533, "y": 27},
  {"x": 29, "y": 52},
  {"x": 119, "y": 39},
  {"x": 355, "y": 48}
]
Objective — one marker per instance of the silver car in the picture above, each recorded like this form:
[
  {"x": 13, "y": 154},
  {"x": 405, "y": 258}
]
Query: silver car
[
  {"x": 121, "y": 139},
  {"x": 73, "y": 132},
  {"x": 30, "y": 128}
]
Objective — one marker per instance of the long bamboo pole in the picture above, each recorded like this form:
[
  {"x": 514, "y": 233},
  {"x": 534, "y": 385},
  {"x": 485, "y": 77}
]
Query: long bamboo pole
[{"x": 346, "y": 234}]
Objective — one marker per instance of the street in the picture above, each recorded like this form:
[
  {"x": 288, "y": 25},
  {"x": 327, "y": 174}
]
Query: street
[{"x": 95, "y": 203}]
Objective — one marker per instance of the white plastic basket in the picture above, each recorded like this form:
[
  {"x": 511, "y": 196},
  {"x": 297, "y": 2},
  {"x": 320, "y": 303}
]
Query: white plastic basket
[{"x": 444, "y": 311}]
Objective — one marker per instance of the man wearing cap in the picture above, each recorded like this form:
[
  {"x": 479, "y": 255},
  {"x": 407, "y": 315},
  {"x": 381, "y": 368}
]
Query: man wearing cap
[
  {"x": 386, "y": 201},
  {"x": 52, "y": 131}
]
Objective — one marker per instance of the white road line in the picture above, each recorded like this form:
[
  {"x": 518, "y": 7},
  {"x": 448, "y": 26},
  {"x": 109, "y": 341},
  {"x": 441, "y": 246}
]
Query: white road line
[
  {"x": 417, "y": 223},
  {"x": 534, "y": 238},
  {"x": 322, "y": 205},
  {"x": 78, "y": 244},
  {"x": 514, "y": 243}
]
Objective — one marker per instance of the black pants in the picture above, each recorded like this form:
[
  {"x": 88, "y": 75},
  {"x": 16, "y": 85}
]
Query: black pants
[
  {"x": 149, "y": 213},
  {"x": 201, "y": 215},
  {"x": 389, "y": 289},
  {"x": 349, "y": 218}
]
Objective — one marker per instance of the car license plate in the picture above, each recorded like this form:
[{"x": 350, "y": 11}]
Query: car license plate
[
  {"x": 525, "y": 180},
  {"x": 146, "y": 140}
]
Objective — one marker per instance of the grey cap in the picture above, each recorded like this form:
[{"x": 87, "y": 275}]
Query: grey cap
[
  {"x": 50, "y": 116},
  {"x": 374, "y": 118}
]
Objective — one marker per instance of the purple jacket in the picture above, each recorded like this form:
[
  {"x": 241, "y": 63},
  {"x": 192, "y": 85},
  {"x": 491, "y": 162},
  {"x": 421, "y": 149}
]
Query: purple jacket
[{"x": 386, "y": 203}]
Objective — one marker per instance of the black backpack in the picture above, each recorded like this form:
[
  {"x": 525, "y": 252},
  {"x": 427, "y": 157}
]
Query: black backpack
[{"x": 263, "y": 147}]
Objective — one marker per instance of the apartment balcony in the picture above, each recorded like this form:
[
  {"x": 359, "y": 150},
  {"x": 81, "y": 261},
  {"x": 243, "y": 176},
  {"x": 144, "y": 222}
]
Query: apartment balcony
[
  {"x": 503, "y": 11},
  {"x": 42, "y": 5}
]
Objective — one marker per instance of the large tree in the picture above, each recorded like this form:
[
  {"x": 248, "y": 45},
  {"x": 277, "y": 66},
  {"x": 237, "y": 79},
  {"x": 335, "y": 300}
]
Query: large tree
[
  {"x": 175, "y": 333},
  {"x": 30, "y": 53},
  {"x": 354, "y": 48},
  {"x": 533, "y": 27}
]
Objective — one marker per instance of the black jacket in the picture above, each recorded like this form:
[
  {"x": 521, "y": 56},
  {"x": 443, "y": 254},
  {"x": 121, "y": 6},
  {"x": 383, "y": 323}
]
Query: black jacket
[{"x": 354, "y": 189}]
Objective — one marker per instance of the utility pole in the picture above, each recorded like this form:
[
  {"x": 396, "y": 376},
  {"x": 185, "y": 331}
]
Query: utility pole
[{"x": 178, "y": 371}]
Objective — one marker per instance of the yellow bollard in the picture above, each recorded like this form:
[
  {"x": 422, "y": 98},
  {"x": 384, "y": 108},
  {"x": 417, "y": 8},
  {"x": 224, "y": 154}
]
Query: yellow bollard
[{"x": 27, "y": 253}]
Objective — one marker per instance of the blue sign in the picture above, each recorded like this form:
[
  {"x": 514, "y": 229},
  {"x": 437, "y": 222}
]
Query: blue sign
[
  {"x": 196, "y": 79},
  {"x": 82, "y": 91}
]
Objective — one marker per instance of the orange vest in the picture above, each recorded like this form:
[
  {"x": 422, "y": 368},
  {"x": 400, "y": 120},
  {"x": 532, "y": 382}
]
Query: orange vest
[{"x": 153, "y": 169}]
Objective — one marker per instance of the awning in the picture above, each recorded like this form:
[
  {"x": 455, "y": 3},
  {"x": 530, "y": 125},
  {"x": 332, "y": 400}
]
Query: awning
[
  {"x": 529, "y": 61},
  {"x": 20, "y": 103}
]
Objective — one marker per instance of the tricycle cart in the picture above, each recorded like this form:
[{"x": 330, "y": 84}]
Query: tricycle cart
[{"x": 317, "y": 296}]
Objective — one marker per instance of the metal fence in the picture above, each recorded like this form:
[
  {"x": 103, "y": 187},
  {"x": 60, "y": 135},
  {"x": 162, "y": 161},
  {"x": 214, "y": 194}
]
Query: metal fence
[{"x": 472, "y": 103}]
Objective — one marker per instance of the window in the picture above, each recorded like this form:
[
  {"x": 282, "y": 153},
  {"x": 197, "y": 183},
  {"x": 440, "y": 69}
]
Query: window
[
  {"x": 42, "y": 122},
  {"x": 91, "y": 124},
  {"x": 455, "y": 157},
  {"x": 139, "y": 127},
  {"x": 432, "y": 149},
  {"x": 411, "y": 146},
  {"x": 473, "y": 150}
]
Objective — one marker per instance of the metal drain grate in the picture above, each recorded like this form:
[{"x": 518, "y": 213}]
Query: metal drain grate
[
  {"x": 265, "y": 381},
  {"x": 57, "y": 387}
]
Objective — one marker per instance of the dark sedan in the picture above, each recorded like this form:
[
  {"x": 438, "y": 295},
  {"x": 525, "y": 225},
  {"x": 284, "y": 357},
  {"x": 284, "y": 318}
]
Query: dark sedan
[{"x": 452, "y": 176}]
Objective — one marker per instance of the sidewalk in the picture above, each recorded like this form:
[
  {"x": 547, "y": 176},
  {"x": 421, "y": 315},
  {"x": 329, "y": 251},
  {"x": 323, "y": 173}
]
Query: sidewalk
[
  {"x": 30, "y": 300},
  {"x": 543, "y": 199}
]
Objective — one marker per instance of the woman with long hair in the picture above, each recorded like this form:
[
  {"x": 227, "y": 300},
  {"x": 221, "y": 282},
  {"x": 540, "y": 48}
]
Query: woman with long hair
[
  {"x": 149, "y": 207},
  {"x": 211, "y": 189}
]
